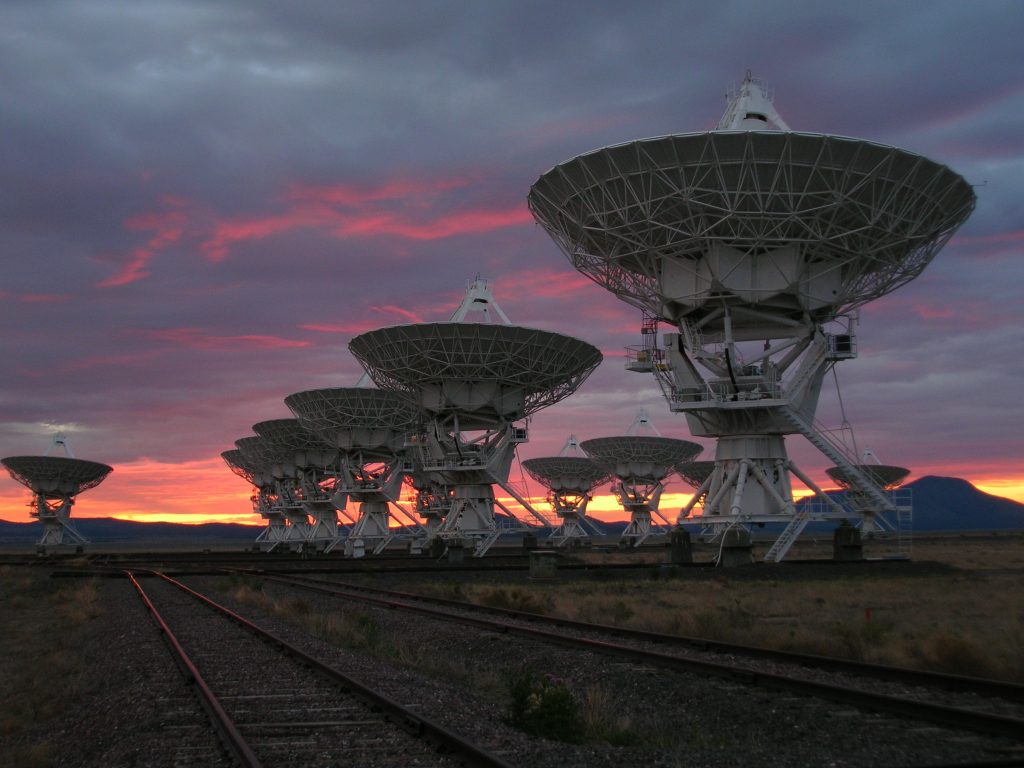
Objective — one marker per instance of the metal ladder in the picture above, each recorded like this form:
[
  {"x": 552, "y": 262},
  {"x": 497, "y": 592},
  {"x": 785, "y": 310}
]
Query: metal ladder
[
  {"x": 486, "y": 543},
  {"x": 809, "y": 365},
  {"x": 859, "y": 481},
  {"x": 791, "y": 533},
  {"x": 904, "y": 521}
]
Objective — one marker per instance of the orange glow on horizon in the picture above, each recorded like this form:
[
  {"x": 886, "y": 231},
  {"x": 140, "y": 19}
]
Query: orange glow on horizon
[
  {"x": 1007, "y": 488},
  {"x": 191, "y": 492},
  {"x": 205, "y": 491}
]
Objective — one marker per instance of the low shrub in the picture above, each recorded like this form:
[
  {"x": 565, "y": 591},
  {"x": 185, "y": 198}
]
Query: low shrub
[{"x": 543, "y": 705}]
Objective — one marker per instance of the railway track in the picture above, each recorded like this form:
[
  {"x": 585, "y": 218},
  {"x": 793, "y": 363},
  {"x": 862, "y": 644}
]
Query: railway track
[
  {"x": 272, "y": 704},
  {"x": 951, "y": 701}
]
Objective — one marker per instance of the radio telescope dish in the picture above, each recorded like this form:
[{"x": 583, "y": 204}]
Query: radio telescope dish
[
  {"x": 238, "y": 465},
  {"x": 55, "y": 474},
  {"x": 369, "y": 427},
  {"x": 479, "y": 378},
  {"x": 640, "y": 464},
  {"x": 263, "y": 500},
  {"x": 260, "y": 457},
  {"x": 886, "y": 476},
  {"x": 695, "y": 472},
  {"x": 258, "y": 453},
  {"x": 566, "y": 473},
  {"x": 55, "y": 481},
  {"x": 570, "y": 481},
  {"x": 641, "y": 457},
  {"x": 302, "y": 462},
  {"x": 753, "y": 241},
  {"x": 355, "y": 417},
  {"x": 286, "y": 435},
  {"x": 486, "y": 373},
  {"x": 788, "y": 223}
]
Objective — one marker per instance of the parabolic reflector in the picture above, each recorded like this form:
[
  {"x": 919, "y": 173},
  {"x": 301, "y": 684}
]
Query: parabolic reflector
[
  {"x": 567, "y": 473},
  {"x": 237, "y": 464},
  {"x": 788, "y": 222},
  {"x": 293, "y": 446},
  {"x": 287, "y": 435},
  {"x": 695, "y": 472},
  {"x": 348, "y": 417},
  {"x": 56, "y": 474},
  {"x": 640, "y": 456},
  {"x": 886, "y": 476},
  {"x": 487, "y": 371},
  {"x": 259, "y": 454}
]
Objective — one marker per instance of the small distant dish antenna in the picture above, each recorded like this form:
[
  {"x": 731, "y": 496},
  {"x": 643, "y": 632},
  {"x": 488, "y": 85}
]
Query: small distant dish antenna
[
  {"x": 55, "y": 482},
  {"x": 263, "y": 498},
  {"x": 570, "y": 479},
  {"x": 255, "y": 462},
  {"x": 300, "y": 464},
  {"x": 640, "y": 464},
  {"x": 367, "y": 429}
]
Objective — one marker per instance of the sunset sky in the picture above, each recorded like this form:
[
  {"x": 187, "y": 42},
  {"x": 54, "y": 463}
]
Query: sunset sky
[{"x": 202, "y": 203}]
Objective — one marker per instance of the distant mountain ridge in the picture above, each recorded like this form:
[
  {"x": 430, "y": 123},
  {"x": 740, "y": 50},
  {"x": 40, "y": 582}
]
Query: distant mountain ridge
[
  {"x": 940, "y": 504},
  {"x": 109, "y": 529},
  {"x": 953, "y": 504}
]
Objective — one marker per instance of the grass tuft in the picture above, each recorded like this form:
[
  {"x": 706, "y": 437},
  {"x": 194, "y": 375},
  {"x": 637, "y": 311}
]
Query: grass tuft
[
  {"x": 516, "y": 599},
  {"x": 544, "y": 706}
]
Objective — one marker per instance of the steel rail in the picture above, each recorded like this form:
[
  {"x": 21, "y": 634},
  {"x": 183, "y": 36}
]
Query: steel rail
[
  {"x": 979, "y": 685},
  {"x": 415, "y": 724},
  {"x": 948, "y": 716},
  {"x": 226, "y": 729}
]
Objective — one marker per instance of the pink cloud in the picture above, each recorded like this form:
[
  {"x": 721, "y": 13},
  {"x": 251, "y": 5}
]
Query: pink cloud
[
  {"x": 107, "y": 361},
  {"x": 194, "y": 338},
  {"x": 228, "y": 232},
  {"x": 167, "y": 227},
  {"x": 1017, "y": 236},
  {"x": 34, "y": 298},
  {"x": 546, "y": 283},
  {"x": 409, "y": 209},
  {"x": 405, "y": 314},
  {"x": 934, "y": 313},
  {"x": 958, "y": 110},
  {"x": 990, "y": 245},
  {"x": 399, "y": 208},
  {"x": 956, "y": 312},
  {"x": 353, "y": 328},
  {"x": 344, "y": 224},
  {"x": 461, "y": 223}
]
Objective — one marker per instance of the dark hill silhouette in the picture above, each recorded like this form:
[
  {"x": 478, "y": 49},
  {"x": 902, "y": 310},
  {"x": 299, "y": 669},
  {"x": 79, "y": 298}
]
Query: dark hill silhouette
[
  {"x": 952, "y": 504},
  {"x": 108, "y": 529}
]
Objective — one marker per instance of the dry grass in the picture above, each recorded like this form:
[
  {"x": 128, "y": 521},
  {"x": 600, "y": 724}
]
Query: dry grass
[
  {"x": 604, "y": 719},
  {"x": 967, "y": 619},
  {"x": 359, "y": 630},
  {"x": 42, "y": 672}
]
